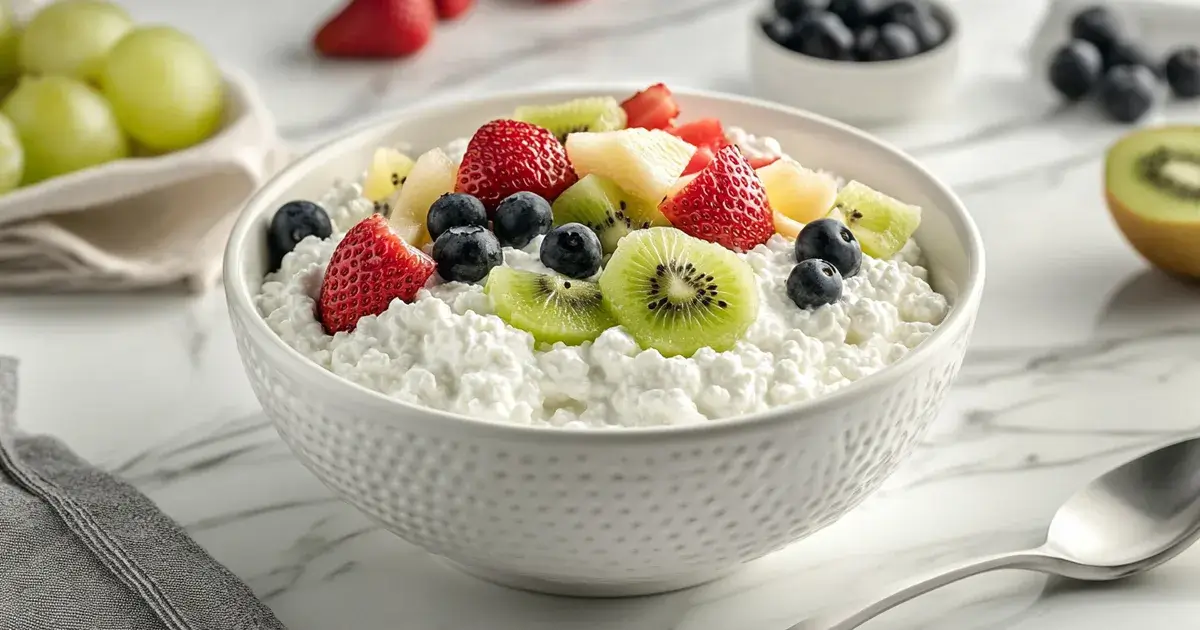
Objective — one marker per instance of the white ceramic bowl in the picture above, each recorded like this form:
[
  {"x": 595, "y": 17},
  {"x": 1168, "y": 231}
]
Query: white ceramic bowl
[
  {"x": 607, "y": 512},
  {"x": 855, "y": 92}
]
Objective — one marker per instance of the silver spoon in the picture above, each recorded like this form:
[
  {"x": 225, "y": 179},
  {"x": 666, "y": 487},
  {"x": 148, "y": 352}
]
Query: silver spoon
[{"x": 1127, "y": 521}]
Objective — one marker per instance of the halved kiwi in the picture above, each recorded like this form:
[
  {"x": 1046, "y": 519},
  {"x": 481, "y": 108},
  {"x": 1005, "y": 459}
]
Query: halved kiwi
[
  {"x": 677, "y": 294},
  {"x": 606, "y": 209},
  {"x": 1152, "y": 185},
  {"x": 552, "y": 308},
  {"x": 881, "y": 224},
  {"x": 601, "y": 113}
]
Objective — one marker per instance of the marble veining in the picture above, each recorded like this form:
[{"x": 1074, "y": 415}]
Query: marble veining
[{"x": 1082, "y": 356}]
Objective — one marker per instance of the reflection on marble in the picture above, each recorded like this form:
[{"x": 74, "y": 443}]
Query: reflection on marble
[{"x": 1082, "y": 356}]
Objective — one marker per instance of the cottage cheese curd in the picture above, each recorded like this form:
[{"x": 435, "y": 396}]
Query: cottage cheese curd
[{"x": 448, "y": 351}]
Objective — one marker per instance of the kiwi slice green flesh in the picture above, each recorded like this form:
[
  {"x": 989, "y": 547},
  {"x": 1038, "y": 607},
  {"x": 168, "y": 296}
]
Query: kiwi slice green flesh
[
  {"x": 1156, "y": 173},
  {"x": 881, "y": 224},
  {"x": 677, "y": 294},
  {"x": 552, "y": 308},
  {"x": 604, "y": 207},
  {"x": 601, "y": 113}
]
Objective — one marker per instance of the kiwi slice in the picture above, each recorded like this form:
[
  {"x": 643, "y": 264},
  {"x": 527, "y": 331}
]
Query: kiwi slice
[
  {"x": 601, "y": 113},
  {"x": 609, "y": 211},
  {"x": 677, "y": 294},
  {"x": 881, "y": 224},
  {"x": 552, "y": 308}
]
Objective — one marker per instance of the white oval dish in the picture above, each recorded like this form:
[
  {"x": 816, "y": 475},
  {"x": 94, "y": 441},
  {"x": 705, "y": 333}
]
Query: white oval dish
[
  {"x": 856, "y": 92},
  {"x": 245, "y": 139},
  {"x": 607, "y": 512}
]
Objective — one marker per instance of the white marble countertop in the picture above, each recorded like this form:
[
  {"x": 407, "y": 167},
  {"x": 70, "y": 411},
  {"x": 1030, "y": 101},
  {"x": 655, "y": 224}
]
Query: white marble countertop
[{"x": 1082, "y": 356}]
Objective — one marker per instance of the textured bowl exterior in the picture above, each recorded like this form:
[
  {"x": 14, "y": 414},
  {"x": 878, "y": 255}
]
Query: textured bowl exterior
[{"x": 598, "y": 512}]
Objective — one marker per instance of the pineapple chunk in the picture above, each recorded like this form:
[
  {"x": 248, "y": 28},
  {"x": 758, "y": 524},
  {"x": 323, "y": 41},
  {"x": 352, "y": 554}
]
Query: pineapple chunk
[
  {"x": 679, "y": 184},
  {"x": 407, "y": 209},
  {"x": 389, "y": 168},
  {"x": 786, "y": 226},
  {"x": 796, "y": 192},
  {"x": 644, "y": 163}
]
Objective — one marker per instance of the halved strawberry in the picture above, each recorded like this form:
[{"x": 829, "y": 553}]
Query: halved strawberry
[
  {"x": 509, "y": 156},
  {"x": 652, "y": 108},
  {"x": 759, "y": 162},
  {"x": 707, "y": 135},
  {"x": 725, "y": 204},
  {"x": 377, "y": 28},
  {"x": 370, "y": 268}
]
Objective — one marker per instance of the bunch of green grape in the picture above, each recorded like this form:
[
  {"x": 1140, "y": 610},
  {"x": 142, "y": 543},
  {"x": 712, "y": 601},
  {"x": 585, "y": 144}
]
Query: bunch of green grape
[{"x": 84, "y": 86}]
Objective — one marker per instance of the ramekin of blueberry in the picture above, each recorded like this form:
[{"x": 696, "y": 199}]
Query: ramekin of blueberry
[{"x": 835, "y": 57}]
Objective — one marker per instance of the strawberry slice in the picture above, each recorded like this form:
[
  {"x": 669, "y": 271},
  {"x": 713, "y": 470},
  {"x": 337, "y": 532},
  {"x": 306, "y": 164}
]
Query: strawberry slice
[
  {"x": 509, "y": 156},
  {"x": 725, "y": 204},
  {"x": 700, "y": 159},
  {"x": 377, "y": 28},
  {"x": 759, "y": 162},
  {"x": 370, "y": 267},
  {"x": 707, "y": 135},
  {"x": 453, "y": 9},
  {"x": 652, "y": 108}
]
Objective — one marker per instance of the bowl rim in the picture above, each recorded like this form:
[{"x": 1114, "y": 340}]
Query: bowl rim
[
  {"x": 948, "y": 47},
  {"x": 241, "y": 302}
]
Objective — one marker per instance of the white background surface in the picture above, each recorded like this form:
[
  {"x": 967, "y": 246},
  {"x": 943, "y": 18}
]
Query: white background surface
[{"x": 1082, "y": 356}]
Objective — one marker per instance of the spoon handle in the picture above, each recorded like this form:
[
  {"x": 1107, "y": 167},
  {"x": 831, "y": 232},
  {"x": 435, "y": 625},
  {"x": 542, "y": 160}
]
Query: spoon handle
[{"x": 854, "y": 614}]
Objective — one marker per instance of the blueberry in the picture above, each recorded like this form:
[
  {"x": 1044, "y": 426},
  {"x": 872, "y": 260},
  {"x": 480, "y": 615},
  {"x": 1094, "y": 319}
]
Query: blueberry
[
  {"x": 895, "y": 41},
  {"x": 864, "y": 41},
  {"x": 294, "y": 221},
  {"x": 520, "y": 217},
  {"x": 779, "y": 29},
  {"x": 830, "y": 240},
  {"x": 918, "y": 16},
  {"x": 823, "y": 35},
  {"x": 855, "y": 13},
  {"x": 573, "y": 250},
  {"x": 454, "y": 210},
  {"x": 1129, "y": 54},
  {"x": 1127, "y": 93},
  {"x": 1098, "y": 25},
  {"x": 1075, "y": 69},
  {"x": 466, "y": 253},
  {"x": 1183, "y": 72},
  {"x": 793, "y": 10},
  {"x": 814, "y": 282}
]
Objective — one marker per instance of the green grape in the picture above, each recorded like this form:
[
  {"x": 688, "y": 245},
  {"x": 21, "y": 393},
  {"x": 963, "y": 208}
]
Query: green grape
[
  {"x": 71, "y": 37},
  {"x": 12, "y": 156},
  {"x": 64, "y": 125},
  {"x": 10, "y": 37},
  {"x": 164, "y": 87}
]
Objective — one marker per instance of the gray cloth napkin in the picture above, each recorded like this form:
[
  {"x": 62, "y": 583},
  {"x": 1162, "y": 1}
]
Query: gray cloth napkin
[{"x": 80, "y": 549}]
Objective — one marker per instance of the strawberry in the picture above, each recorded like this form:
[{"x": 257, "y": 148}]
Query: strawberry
[
  {"x": 377, "y": 28},
  {"x": 725, "y": 204},
  {"x": 452, "y": 9},
  {"x": 700, "y": 159},
  {"x": 652, "y": 108},
  {"x": 509, "y": 156},
  {"x": 370, "y": 268},
  {"x": 759, "y": 162},
  {"x": 707, "y": 135}
]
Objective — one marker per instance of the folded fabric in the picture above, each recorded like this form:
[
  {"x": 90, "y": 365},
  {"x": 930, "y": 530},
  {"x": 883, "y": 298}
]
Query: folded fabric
[{"x": 82, "y": 549}]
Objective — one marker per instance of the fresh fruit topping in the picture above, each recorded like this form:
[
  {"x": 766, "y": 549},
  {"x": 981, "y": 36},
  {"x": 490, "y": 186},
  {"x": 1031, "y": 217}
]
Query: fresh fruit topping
[
  {"x": 377, "y": 28},
  {"x": 814, "y": 283},
  {"x": 577, "y": 116},
  {"x": 652, "y": 108},
  {"x": 795, "y": 9},
  {"x": 1127, "y": 93},
  {"x": 854, "y": 13},
  {"x": 72, "y": 38},
  {"x": 683, "y": 180},
  {"x": 431, "y": 177},
  {"x": 881, "y": 224},
  {"x": 1183, "y": 72},
  {"x": 677, "y": 294},
  {"x": 370, "y": 267},
  {"x": 642, "y": 162},
  {"x": 725, "y": 204},
  {"x": 823, "y": 35},
  {"x": 1152, "y": 185},
  {"x": 10, "y": 41},
  {"x": 388, "y": 170},
  {"x": 1098, "y": 25},
  {"x": 830, "y": 240},
  {"x": 454, "y": 210},
  {"x": 520, "y": 218},
  {"x": 64, "y": 126},
  {"x": 604, "y": 208},
  {"x": 917, "y": 16},
  {"x": 700, "y": 159},
  {"x": 12, "y": 156},
  {"x": 466, "y": 253},
  {"x": 894, "y": 41},
  {"x": 293, "y": 222},
  {"x": 509, "y": 156},
  {"x": 552, "y": 308},
  {"x": 707, "y": 135},
  {"x": 572, "y": 250},
  {"x": 797, "y": 192},
  {"x": 453, "y": 9},
  {"x": 760, "y": 161},
  {"x": 1075, "y": 69},
  {"x": 786, "y": 226},
  {"x": 1129, "y": 54}
]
